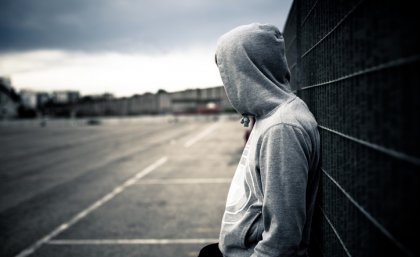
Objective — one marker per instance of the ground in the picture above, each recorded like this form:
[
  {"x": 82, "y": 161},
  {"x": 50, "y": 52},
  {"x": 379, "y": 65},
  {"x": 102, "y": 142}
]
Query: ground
[{"x": 151, "y": 186}]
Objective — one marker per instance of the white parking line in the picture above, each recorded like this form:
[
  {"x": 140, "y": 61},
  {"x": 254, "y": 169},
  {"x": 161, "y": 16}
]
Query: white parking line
[
  {"x": 94, "y": 206},
  {"x": 201, "y": 135},
  {"x": 132, "y": 241},
  {"x": 185, "y": 181}
]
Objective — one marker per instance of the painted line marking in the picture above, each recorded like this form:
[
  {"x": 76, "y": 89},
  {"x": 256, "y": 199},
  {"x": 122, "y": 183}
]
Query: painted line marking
[
  {"x": 46, "y": 239},
  {"x": 200, "y": 135},
  {"x": 193, "y": 253},
  {"x": 145, "y": 241},
  {"x": 185, "y": 181}
]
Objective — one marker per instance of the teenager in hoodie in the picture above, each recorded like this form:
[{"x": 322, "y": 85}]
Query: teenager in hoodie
[{"x": 272, "y": 195}]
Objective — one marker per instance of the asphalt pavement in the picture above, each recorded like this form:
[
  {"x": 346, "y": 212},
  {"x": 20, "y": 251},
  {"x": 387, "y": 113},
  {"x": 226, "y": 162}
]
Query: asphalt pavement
[{"x": 153, "y": 186}]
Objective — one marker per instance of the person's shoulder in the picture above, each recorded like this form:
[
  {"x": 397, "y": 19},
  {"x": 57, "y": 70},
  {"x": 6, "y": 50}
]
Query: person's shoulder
[{"x": 296, "y": 113}]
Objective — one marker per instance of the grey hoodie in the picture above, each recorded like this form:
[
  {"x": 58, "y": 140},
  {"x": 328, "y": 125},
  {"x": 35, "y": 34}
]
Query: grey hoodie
[{"x": 271, "y": 199}]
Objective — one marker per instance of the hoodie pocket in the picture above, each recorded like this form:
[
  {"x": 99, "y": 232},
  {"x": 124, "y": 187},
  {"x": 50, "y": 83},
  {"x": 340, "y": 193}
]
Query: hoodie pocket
[{"x": 253, "y": 231}]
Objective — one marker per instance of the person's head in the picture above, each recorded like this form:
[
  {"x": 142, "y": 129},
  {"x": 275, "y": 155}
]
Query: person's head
[{"x": 252, "y": 63}]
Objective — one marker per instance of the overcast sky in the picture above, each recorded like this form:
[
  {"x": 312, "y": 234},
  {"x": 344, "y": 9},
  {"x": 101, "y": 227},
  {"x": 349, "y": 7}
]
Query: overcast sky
[{"x": 121, "y": 46}]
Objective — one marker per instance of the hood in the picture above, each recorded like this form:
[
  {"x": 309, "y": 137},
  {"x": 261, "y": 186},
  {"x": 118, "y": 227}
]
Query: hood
[{"x": 252, "y": 64}]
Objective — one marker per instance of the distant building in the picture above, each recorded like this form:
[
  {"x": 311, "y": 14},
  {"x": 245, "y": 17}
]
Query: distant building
[
  {"x": 9, "y": 100},
  {"x": 164, "y": 102},
  {"x": 191, "y": 101},
  {"x": 207, "y": 100},
  {"x": 108, "y": 96},
  {"x": 65, "y": 97},
  {"x": 28, "y": 99},
  {"x": 42, "y": 98},
  {"x": 97, "y": 97},
  {"x": 6, "y": 82}
]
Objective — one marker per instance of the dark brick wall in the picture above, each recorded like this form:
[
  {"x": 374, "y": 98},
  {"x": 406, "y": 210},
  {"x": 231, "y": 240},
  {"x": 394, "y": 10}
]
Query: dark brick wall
[{"x": 356, "y": 65}]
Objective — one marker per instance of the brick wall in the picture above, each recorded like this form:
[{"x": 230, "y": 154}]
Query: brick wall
[{"x": 356, "y": 65}]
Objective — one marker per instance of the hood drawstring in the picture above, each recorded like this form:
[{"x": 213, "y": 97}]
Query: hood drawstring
[{"x": 245, "y": 120}]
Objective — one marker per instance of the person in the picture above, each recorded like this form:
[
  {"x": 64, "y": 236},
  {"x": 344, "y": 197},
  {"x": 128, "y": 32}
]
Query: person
[{"x": 272, "y": 195}]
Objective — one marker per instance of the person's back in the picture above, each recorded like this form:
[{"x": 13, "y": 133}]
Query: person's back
[{"x": 272, "y": 196}]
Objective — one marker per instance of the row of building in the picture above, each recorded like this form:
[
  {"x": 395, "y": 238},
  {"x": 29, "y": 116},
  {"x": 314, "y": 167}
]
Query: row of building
[
  {"x": 72, "y": 104},
  {"x": 191, "y": 101}
]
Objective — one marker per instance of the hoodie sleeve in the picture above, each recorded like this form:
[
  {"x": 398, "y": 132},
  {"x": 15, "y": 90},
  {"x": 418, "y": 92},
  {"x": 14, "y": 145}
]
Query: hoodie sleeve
[{"x": 284, "y": 163}]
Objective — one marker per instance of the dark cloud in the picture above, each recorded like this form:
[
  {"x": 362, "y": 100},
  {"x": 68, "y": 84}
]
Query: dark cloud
[{"x": 127, "y": 25}]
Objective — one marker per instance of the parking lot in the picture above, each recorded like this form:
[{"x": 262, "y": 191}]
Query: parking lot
[{"x": 125, "y": 187}]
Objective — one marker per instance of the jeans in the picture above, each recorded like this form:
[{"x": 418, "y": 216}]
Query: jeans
[{"x": 211, "y": 250}]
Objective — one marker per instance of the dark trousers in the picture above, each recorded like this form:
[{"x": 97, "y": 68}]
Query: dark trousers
[{"x": 210, "y": 251}]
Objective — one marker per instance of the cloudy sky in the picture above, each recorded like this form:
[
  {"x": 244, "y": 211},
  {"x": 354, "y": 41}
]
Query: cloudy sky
[{"x": 121, "y": 46}]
